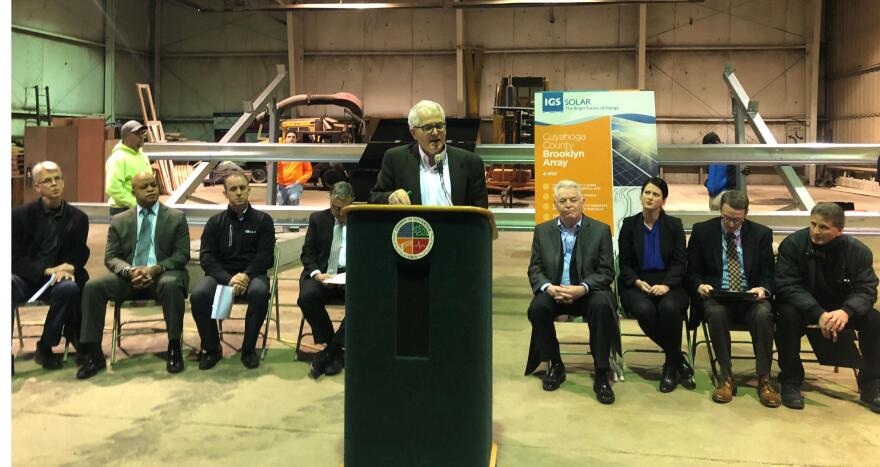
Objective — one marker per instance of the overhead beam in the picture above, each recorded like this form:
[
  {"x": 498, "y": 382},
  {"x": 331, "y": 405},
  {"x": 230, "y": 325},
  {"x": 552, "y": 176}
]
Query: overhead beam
[
  {"x": 295, "y": 61},
  {"x": 641, "y": 65},
  {"x": 110, "y": 61}
]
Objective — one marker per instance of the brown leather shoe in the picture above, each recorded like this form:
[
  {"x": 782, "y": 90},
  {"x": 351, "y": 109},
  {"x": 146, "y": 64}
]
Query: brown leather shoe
[
  {"x": 769, "y": 397},
  {"x": 724, "y": 392}
]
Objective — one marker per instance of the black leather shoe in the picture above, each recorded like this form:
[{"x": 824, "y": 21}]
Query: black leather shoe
[
  {"x": 319, "y": 364},
  {"x": 791, "y": 396},
  {"x": 93, "y": 365},
  {"x": 871, "y": 398},
  {"x": 47, "y": 358},
  {"x": 209, "y": 358},
  {"x": 686, "y": 374},
  {"x": 250, "y": 359},
  {"x": 602, "y": 388},
  {"x": 555, "y": 377},
  {"x": 175, "y": 357},
  {"x": 669, "y": 379},
  {"x": 337, "y": 363}
]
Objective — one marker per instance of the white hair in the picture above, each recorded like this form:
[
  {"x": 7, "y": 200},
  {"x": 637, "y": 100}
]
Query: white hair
[
  {"x": 423, "y": 106},
  {"x": 44, "y": 166},
  {"x": 562, "y": 184}
]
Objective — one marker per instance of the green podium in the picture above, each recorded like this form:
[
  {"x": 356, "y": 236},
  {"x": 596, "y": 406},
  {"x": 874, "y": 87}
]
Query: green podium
[{"x": 418, "y": 336}]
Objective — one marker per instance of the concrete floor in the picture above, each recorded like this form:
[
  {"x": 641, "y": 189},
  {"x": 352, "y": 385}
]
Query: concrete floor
[{"x": 137, "y": 414}]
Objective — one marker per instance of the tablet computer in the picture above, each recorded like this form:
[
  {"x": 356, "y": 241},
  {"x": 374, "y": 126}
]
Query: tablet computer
[
  {"x": 842, "y": 353},
  {"x": 729, "y": 294}
]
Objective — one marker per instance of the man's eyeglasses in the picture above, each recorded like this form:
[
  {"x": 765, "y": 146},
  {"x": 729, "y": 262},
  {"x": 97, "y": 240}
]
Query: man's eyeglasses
[
  {"x": 733, "y": 220},
  {"x": 439, "y": 126},
  {"x": 50, "y": 181}
]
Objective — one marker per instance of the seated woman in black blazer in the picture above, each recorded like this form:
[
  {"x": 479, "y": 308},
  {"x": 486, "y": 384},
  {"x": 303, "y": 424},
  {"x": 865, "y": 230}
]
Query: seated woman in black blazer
[{"x": 652, "y": 264}]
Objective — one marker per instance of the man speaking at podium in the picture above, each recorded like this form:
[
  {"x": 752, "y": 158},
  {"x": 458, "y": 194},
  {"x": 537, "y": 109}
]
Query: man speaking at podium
[{"x": 429, "y": 172}]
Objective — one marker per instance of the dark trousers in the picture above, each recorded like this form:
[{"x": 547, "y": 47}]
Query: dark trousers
[
  {"x": 313, "y": 298},
  {"x": 758, "y": 318},
  {"x": 597, "y": 309},
  {"x": 64, "y": 312},
  {"x": 660, "y": 318},
  {"x": 169, "y": 290},
  {"x": 792, "y": 326},
  {"x": 202, "y": 300}
]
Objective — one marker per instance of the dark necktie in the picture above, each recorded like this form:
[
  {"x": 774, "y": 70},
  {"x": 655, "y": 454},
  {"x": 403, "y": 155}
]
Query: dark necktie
[
  {"x": 144, "y": 239},
  {"x": 733, "y": 271}
]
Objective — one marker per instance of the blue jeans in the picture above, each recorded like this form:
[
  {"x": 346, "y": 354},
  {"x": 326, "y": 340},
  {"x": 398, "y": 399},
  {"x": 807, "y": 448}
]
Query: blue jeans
[{"x": 288, "y": 195}]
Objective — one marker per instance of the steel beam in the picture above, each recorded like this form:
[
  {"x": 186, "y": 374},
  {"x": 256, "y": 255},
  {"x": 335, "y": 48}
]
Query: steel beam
[{"x": 204, "y": 168}]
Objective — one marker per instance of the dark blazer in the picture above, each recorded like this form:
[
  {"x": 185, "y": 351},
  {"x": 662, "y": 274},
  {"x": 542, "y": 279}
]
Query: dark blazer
[
  {"x": 631, "y": 244},
  {"x": 400, "y": 170},
  {"x": 28, "y": 230},
  {"x": 319, "y": 238},
  {"x": 592, "y": 258},
  {"x": 796, "y": 275},
  {"x": 704, "y": 261},
  {"x": 171, "y": 240}
]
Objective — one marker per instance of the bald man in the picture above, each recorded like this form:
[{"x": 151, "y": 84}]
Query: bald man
[
  {"x": 147, "y": 251},
  {"x": 49, "y": 238}
]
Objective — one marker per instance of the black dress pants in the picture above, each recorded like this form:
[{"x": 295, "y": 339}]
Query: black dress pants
[
  {"x": 64, "y": 309},
  {"x": 313, "y": 298},
  {"x": 758, "y": 318},
  {"x": 597, "y": 308},
  {"x": 660, "y": 318},
  {"x": 202, "y": 300},
  {"x": 169, "y": 289},
  {"x": 792, "y": 326}
]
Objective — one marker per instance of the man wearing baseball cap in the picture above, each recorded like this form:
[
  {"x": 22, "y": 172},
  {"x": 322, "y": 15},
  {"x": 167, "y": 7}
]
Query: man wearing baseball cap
[{"x": 126, "y": 161}]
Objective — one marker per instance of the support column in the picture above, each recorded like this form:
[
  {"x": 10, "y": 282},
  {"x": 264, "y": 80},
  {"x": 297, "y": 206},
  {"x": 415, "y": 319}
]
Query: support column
[
  {"x": 813, "y": 37},
  {"x": 460, "y": 95},
  {"x": 641, "y": 67},
  {"x": 295, "y": 56},
  {"x": 157, "y": 53},
  {"x": 110, "y": 61}
]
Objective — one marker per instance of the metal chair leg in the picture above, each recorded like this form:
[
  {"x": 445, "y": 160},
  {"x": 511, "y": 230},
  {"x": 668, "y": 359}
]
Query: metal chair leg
[
  {"x": 117, "y": 330},
  {"x": 712, "y": 361},
  {"x": 302, "y": 324},
  {"x": 20, "y": 335}
]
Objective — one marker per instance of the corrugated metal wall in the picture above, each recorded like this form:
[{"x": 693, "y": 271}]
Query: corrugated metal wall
[{"x": 853, "y": 70}]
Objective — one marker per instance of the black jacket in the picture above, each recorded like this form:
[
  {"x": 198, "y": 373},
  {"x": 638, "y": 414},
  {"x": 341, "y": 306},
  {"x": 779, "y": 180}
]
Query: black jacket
[
  {"x": 400, "y": 170},
  {"x": 250, "y": 249},
  {"x": 28, "y": 230},
  {"x": 796, "y": 269},
  {"x": 631, "y": 243},
  {"x": 319, "y": 238}
]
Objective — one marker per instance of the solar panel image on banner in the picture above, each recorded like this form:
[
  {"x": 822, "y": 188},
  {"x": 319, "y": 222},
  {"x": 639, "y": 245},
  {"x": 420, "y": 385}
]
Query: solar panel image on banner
[{"x": 634, "y": 149}]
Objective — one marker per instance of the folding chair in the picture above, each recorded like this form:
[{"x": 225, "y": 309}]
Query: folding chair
[
  {"x": 118, "y": 323},
  {"x": 302, "y": 324},
  {"x": 622, "y": 314},
  {"x": 19, "y": 325},
  {"x": 273, "y": 300}
]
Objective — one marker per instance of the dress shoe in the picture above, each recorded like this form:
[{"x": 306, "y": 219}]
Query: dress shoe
[
  {"x": 602, "y": 388},
  {"x": 686, "y": 374},
  {"x": 319, "y": 364},
  {"x": 555, "y": 376},
  {"x": 871, "y": 397},
  {"x": 250, "y": 359},
  {"x": 209, "y": 358},
  {"x": 175, "y": 357},
  {"x": 337, "y": 363},
  {"x": 768, "y": 396},
  {"x": 725, "y": 391},
  {"x": 94, "y": 364},
  {"x": 791, "y": 396},
  {"x": 44, "y": 356},
  {"x": 669, "y": 378}
]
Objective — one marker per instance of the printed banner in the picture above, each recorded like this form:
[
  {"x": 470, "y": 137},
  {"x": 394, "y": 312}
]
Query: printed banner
[{"x": 630, "y": 150}]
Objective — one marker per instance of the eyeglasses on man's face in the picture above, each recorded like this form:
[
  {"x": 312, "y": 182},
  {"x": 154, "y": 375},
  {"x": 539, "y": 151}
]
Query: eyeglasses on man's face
[
  {"x": 733, "y": 220},
  {"x": 50, "y": 180},
  {"x": 439, "y": 126}
]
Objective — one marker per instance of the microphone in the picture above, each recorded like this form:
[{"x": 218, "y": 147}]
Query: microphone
[{"x": 438, "y": 163}]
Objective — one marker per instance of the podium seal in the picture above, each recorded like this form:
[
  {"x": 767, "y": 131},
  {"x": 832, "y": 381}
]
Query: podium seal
[{"x": 412, "y": 237}]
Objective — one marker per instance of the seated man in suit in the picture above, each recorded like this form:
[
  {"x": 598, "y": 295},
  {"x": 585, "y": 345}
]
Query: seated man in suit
[
  {"x": 147, "y": 251},
  {"x": 323, "y": 256},
  {"x": 827, "y": 279},
  {"x": 733, "y": 253},
  {"x": 428, "y": 171},
  {"x": 49, "y": 237},
  {"x": 237, "y": 249},
  {"x": 570, "y": 272}
]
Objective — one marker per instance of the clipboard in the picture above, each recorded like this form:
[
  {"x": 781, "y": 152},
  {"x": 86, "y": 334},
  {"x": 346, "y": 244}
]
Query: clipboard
[
  {"x": 843, "y": 353},
  {"x": 731, "y": 295}
]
